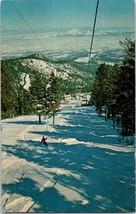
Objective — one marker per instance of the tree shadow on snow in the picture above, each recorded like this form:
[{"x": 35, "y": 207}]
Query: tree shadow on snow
[
  {"x": 91, "y": 128},
  {"x": 98, "y": 180},
  {"x": 49, "y": 200},
  {"x": 93, "y": 173}
]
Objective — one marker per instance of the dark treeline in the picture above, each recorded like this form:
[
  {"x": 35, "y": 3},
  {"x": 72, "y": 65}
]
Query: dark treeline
[{"x": 113, "y": 90}]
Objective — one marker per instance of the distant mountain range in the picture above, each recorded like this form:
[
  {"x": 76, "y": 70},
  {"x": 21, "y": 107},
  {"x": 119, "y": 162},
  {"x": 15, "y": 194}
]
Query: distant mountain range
[{"x": 68, "y": 44}]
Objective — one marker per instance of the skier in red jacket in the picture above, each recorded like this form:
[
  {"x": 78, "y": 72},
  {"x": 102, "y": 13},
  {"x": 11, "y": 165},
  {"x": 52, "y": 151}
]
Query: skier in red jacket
[{"x": 43, "y": 140}]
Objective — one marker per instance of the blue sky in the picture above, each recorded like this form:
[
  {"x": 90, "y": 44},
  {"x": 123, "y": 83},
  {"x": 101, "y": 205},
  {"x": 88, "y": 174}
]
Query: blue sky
[{"x": 66, "y": 13}]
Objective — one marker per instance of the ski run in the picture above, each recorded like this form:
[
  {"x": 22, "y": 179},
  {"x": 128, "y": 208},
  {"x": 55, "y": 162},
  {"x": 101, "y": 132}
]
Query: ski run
[{"x": 86, "y": 167}]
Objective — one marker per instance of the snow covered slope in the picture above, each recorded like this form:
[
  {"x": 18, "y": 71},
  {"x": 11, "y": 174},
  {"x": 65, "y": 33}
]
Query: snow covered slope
[
  {"x": 60, "y": 69},
  {"x": 71, "y": 74},
  {"x": 84, "y": 168}
]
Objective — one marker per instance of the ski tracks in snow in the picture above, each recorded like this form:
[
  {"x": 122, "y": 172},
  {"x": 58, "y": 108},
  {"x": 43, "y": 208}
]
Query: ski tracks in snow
[
  {"x": 8, "y": 198},
  {"x": 56, "y": 177}
]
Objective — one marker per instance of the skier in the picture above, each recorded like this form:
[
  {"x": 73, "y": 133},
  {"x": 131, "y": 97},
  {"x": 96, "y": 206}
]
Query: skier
[{"x": 43, "y": 140}]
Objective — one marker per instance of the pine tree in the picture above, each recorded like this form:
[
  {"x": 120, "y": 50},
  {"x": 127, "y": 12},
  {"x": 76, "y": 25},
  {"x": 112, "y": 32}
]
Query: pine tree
[
  {"x": 38, "y": 95},
  {"x": 23, "y": 101},
  {"x": 55, "y": 95},
  {"x": 126, "y": 82},
  {"x": 100, "y": 88},
  {"x": 8, "y": 95}
]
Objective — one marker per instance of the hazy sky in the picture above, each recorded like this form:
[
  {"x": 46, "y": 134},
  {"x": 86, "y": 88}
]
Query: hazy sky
[{"x": 66, "y": 13}]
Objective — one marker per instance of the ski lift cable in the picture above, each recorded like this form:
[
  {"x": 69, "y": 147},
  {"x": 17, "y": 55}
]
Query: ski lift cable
[
  {"x": 26, "y": 23},
  {"x": 9, "y": 43},
  {"x": 93, "y": 32}
]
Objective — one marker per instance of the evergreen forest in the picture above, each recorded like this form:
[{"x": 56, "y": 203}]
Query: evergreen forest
[{"x": 113, "y": 91}]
